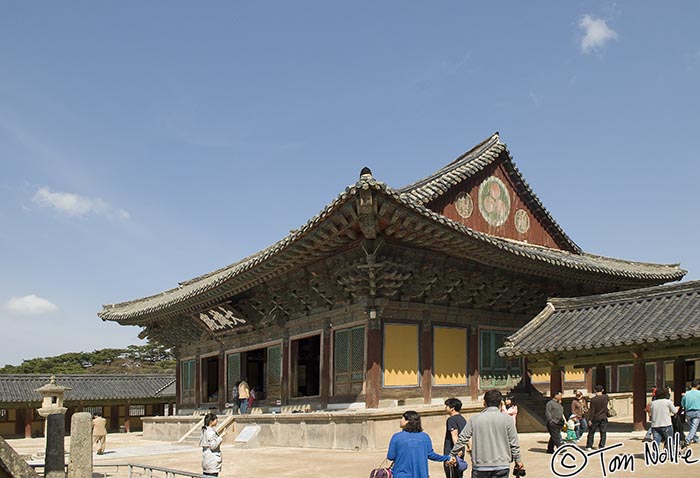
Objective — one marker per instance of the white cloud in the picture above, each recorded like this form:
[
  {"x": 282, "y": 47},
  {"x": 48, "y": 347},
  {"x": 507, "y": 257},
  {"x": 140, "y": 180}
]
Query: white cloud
[
  {"x": 596, "y": 33},
  {"x": 29, "y": 305},
  {"x": 74, "y": 205}
]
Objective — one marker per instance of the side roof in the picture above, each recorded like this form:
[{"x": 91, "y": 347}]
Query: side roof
[
  {"x": 84, "y": 387},
  {"x": 622, "y": 319}
]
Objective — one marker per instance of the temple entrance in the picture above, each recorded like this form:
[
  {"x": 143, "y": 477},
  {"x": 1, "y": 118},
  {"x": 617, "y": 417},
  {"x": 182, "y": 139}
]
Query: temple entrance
[
  {"x": 255, "y": 366},
  {"x": 210, "y": 379},
  {"x": 305, "y": 379}
]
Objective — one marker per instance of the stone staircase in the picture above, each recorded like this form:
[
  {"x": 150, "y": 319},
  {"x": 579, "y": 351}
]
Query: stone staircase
[{"x": 531, "y": 408}]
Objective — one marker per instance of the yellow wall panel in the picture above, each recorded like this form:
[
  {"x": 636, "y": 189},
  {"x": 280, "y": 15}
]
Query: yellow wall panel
[
  {"x": 450, "y": 356},
  {"x": 400, "y": 355},
  {"x": 572, "y": 374}
]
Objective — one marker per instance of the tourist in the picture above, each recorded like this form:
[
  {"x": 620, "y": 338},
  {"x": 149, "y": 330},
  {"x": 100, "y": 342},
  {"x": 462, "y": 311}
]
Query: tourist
[
  {"x": 210, "y": 442},
  {"x": 598, "y": 418},
  {"x": 691, "y": 404},
  {"x": 453, "y": 427},
  {"x": 662, "y": 409},
  {"x": 411, "y": 448},
  {"x": 579, "y": 407},
  {"x": 235, "y": 402},
  {"x": 243, "y": 396},
  {"x": 99, "y": 432},
  {"x": 494, "y": 440},
  {"x": 509, "y": 407},
  {"x": 554, "y": 417}
]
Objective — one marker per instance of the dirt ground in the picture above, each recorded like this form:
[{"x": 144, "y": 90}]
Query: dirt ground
[{"x": 624, "y": 457}]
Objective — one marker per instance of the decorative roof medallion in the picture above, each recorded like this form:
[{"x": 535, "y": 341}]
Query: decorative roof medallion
[
  {"x": 521, "y": 220},
  {"x": 464, "y": 205},
  {"x": 494, "y": 201}
]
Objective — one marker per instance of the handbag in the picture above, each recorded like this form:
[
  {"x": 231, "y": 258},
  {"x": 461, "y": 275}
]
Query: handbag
[
  {"x": 611, "y": 412},
  {"x": 382, "y": 471}
]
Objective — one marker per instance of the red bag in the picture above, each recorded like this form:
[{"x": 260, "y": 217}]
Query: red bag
[{"x": 382, "y": 472}]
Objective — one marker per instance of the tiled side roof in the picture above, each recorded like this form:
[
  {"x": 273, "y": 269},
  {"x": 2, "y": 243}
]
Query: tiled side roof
[
  {"x": 470, "y": 164},
  {"x": 20, "y": 387},
  {"x": 634, "y": 317}
]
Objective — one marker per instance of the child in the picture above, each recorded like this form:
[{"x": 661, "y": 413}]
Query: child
[{"x": 571, "y": 426}]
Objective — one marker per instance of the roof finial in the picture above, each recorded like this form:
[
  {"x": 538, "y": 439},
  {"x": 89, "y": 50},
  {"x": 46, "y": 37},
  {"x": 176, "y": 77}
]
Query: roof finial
[{"x": 365, "y": 172}]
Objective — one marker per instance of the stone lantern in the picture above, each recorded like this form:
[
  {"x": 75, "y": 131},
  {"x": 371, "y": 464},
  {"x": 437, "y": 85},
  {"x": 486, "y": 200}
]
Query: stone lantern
[
  {"x": 53, "y": 410},
  {"x": 52, "y": 401}
]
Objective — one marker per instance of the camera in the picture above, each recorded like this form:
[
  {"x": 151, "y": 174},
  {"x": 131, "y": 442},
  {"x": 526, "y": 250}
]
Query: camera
[{"x": 517, "y": 471}]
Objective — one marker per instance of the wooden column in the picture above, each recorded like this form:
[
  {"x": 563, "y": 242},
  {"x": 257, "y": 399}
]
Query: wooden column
[
  {"x": 325, "y": 365},
  {"x": 614, "y": 388},
  {"x": 639, "y": 394},
  {"x": 589, "y": 379},
  {"x": 678, "y": 380},
  {"x": 28, "y": 417},
  {"x": 426, "y": 359},
  {"x": 222, "y": 379},
  {"x": 127, "y": 424},
  {"x": 600, "y": 375},
  {"x": 286, "y": 368},
  {"x": 178, "y": 383},
  {"x": 197, "y": 380},
  {"x": 660, "y": 372},
  {"x": 473, "y": 361},
  {"x": 373, "y": 380},
  {"x": 556, "y": 379}
]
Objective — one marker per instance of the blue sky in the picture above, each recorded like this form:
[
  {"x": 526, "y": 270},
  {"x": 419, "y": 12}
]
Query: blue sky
[{"x": 146, "y": 143}]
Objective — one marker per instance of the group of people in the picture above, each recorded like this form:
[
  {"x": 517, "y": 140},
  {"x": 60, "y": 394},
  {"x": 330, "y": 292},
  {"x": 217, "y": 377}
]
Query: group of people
[
  {"x": 490, "y": 437},
  {"x": 243, "y": 397},
  {"x": 662, "y": 412},
  {"x": 585, "y": 416}
]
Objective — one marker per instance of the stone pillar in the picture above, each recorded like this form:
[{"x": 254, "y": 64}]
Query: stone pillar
[
  {"x": 678, "y": 380},
  {"x": 639, "y": 394},
  {"x": 80, "y": 464},
  {"x": 426, "y": 359},
  {"x": 473, "y": 361},
  {"x": 55, "y": 465},
  {"x": 373, "y": 377},
  {"x": 325, "y": 364},
  {"x": 556, "y": 379},
  {"x": 600, "y": 375}
]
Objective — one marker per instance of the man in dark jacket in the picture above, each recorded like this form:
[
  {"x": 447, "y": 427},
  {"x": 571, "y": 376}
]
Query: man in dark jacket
[
  {"x": 599, "y": 418},
  {"x": 554, "y": 416}
]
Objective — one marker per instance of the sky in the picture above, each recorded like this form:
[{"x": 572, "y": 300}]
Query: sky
[{"x": 146, "y": 143}]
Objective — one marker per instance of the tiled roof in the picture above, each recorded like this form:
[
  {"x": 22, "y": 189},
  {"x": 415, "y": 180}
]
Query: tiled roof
[
  {"x": 88, "y": 387},
  {"x": 621, "y": 319},
  {"x": 332, "y": 229},
  {"x": 472, "y": 163}
]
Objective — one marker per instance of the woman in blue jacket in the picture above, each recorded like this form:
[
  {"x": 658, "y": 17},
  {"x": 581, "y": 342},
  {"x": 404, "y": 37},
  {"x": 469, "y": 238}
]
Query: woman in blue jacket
[{"x": 411, "y": 448}]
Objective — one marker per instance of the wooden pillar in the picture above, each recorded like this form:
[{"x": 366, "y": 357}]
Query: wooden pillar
[
  {"x": 127, "y": 425},
  {"x": 170, "y": 409},
  {"x": 678, "y": 380},
  {"x": 197, "y": 380},
  {"x": 600, "y": 375},
  {"x": 639, "y": 394},
  {"x": 473, "y": 361},
  {"x": 28, "y": 417},
  {"x": 525, "y": 384},
  {"x": 614, "y": 388},
  {"x": 326, "y": 364},
  {"x": 222, "y": 379},
  {"x": 556, "y": 379},
  {"x": 660, "y": 372},
  {"x": 589, "y": 379},
  {"x": 286, "y": 369},
  {"x": 178, "y": 383},
  {"x": 426, "y": 359},
  {"x": 373, "y": 384}
]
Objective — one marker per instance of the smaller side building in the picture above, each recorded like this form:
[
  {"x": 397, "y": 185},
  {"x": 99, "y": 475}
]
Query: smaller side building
[
  {"x": 644, "y": 337},
  {"x": 121, "y": 399}
]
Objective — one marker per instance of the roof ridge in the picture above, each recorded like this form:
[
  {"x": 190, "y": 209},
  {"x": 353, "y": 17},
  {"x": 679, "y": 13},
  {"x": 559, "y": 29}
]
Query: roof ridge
[{"x": 626, "y": 296}]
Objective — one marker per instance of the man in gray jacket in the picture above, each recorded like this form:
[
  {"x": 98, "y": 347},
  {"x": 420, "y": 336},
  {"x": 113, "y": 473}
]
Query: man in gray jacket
[
  {"x": 494, "y": 440},
  {"x": 554, "y": 416}
]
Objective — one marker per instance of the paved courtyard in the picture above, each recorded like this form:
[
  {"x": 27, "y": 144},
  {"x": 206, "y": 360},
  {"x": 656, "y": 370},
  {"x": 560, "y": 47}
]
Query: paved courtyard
[{"x": 299, "y": 462}]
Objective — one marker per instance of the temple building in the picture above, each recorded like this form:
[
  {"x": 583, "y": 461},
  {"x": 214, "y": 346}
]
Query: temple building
[{"x": 386, "y": 296}]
